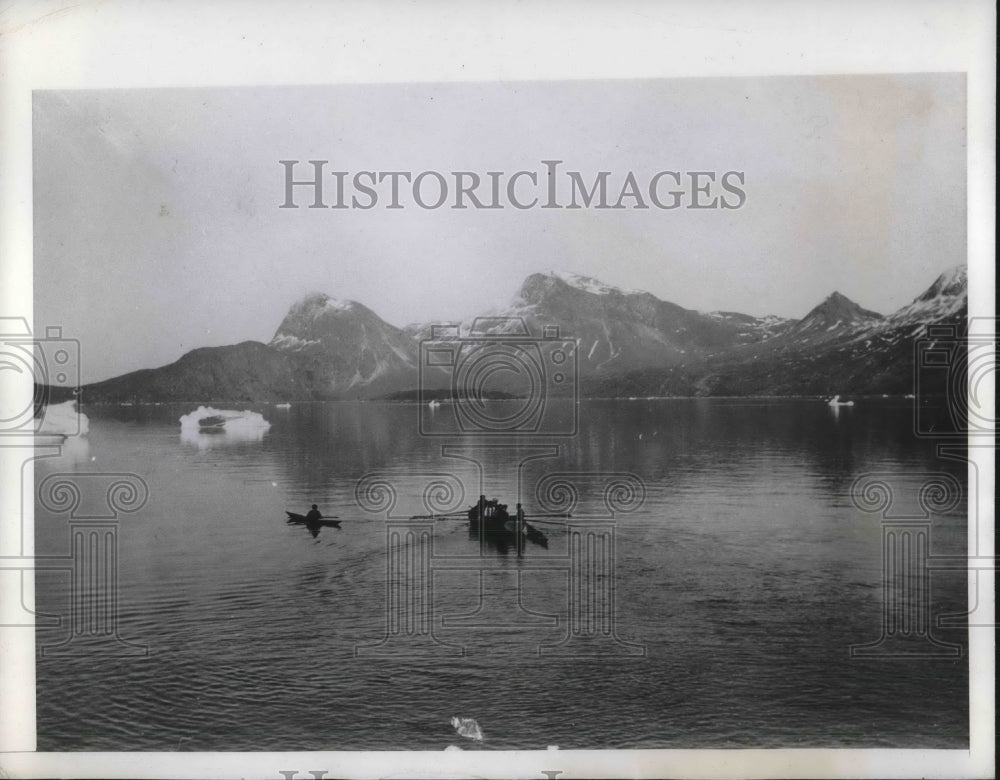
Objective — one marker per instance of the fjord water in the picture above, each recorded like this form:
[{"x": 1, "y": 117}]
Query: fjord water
[{"x": 739, "y": 584}]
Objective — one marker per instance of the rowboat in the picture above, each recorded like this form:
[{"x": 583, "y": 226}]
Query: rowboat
[
  {"x": 495, "y": 521},
  {"x": 212, "y": 424}
]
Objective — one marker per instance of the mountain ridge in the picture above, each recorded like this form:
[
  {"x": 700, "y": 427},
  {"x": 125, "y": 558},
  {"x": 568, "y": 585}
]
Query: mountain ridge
[{"x": 630, "y": 343}]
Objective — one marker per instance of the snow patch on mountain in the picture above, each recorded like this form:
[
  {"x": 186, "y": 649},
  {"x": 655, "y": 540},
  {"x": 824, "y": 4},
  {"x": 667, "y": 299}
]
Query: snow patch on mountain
[
  {"x": 944, "y": 298},
  {"x": 289, "y": 343},
  {"x": 591, "y": 285},
  {"x": 335, "y": 304}
]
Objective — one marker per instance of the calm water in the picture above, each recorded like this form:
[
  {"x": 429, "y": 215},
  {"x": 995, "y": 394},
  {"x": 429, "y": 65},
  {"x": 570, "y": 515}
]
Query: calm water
[{"x": 739, "y": 585}]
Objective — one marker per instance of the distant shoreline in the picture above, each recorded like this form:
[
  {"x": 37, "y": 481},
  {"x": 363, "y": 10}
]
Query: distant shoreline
[{"x": 447, "y": 400}]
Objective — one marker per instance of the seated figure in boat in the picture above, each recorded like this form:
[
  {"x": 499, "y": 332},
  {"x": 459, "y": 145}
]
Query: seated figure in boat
[{"x": 494, "y": 513}]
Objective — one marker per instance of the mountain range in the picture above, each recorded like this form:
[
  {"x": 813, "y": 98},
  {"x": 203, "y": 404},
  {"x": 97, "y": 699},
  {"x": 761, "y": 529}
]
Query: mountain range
[{"x": 628, "y": 343}]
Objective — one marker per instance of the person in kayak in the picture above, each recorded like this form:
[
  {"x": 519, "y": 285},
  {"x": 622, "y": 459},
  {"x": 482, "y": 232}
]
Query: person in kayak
[{"x": 313, "y": 515}]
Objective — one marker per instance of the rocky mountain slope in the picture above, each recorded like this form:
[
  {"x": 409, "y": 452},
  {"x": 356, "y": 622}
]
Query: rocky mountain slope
[
  {"x": 247, "y": 372},
  {"x": 344, "y": 348},
  {"x": 837, "y": 348},
  {"x": 630, "y": 343}
]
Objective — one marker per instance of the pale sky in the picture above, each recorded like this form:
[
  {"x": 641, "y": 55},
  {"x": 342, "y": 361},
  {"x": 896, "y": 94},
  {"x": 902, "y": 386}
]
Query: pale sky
[{"x": 157, "y": 227}]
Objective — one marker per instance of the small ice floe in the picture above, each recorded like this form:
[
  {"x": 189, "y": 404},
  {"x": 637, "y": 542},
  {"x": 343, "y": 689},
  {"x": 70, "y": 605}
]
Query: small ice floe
[
  {"x": 207, "y": 426},
  {"x": 467, "y": 727},
  {"x": 75, "y": 449},
  {"x": 63, "y": 420}
]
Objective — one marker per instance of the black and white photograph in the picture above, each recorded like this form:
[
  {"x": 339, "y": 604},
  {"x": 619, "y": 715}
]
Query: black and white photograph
[{"x": 640, "y": 416}]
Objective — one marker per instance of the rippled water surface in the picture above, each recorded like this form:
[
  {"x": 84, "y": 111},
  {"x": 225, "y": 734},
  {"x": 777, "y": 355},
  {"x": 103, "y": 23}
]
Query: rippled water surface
[{"x": 739, "y": 584}]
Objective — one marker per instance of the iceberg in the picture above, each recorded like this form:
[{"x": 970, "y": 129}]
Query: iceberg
[
  {"x": 207, "y": 426},
  {"x": 63, "y": 420},
  {"x": 467, "y": 727}
]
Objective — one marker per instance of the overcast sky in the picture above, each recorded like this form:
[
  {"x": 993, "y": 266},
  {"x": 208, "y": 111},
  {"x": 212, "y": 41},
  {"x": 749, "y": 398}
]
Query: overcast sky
[{"x": 157, "y": 227}]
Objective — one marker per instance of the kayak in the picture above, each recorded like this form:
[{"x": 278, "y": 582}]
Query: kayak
[{"x": 295, "y": 517}]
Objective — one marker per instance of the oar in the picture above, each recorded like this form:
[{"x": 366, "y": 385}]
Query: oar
[
  {"x": 446, "y": 516},
  {"x": 549, "y": 522}
]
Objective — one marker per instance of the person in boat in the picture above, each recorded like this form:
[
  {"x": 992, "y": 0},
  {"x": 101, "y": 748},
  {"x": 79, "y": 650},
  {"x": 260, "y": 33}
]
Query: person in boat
[{"x": 313, "y": 515}]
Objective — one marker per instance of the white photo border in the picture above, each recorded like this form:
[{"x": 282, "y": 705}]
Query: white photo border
[{"x": 117, "y": 43}]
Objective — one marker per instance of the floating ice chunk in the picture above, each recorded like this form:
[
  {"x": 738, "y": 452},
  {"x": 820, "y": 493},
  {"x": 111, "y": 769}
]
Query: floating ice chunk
[
  {"x": 64, "y": 419},
  {"x": 467, "y": 727},
  {"x": 207, "y": 427},
  {"x": 208, "y": 418},
  {"x": 75, "y": 449}
]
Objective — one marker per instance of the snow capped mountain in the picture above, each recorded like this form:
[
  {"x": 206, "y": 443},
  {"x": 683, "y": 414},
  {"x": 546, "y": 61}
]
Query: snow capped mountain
[
  {"x": 348, "y": 345},
  {"x": 630, "y": 343},
  {"x": 620, "y": 329},
  {"x": 835, "y": 316},
  {"x": 947, "y": 296},
  {"x": 838, "y": 347},
  {"x": 951, "y": 283}
]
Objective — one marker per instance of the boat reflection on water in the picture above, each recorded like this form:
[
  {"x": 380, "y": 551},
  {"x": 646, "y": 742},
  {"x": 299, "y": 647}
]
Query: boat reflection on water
[{"x": 501, "y": 541}]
